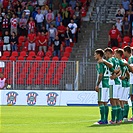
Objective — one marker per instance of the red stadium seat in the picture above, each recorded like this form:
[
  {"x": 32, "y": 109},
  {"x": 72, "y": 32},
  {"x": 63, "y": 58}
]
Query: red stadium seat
[
  {"x": 124, "y": 44},
  {"x": 29, "y": 58},
  {"x": 47, "y": 81},
  {"x": 32, "y": 53},
  {"x": 29, "y": 81},
  {"x": 6, "y": 53},
  {"x": 38, "y": 58},
  {"x": 50, "y": 48},
  {"x": 66, "y": 54},
  {"x": 68, "y": 49},
  {"x": 126, "y": 39},
  {"x": 119, "y": 40},
  {"x": 4, "y": 58},
  {"x": 38, "y": 81},
  {"x": 49, "y": 53},
  {"x": 23, "y": 53},
  {"x": 114, "y": 48},
  {"x": 40, "y": 53},
  {"x": 20, "y": 81},
  {"x": 46, "y": 58},
  {"x": 55, "y": 58},
  {"x": 15, "y": 53},
  {"x": 64, "y": 58},
  {"x": 131, "y": 45},
  {"x": 21, "y": 58},
  {"x": 12, "y": 58},
  {"x": 55, "y": 82}
]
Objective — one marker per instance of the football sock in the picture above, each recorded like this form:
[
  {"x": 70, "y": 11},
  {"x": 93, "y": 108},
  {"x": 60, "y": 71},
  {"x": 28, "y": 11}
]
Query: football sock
[
  {"x": 126, "y": 110},
  {"x": 122, "y": 113},
  {"x": 102, "y": 112},
  {"x": 132, "y": 108},
  {"x": 113, "y": 113},
  {"x": 106, "y": 113},
  {"x": 118, "y": 114}
]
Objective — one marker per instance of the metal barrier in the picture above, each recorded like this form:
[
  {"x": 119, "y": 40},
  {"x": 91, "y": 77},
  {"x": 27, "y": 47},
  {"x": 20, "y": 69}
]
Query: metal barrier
[{"x": 49, "y": 75}]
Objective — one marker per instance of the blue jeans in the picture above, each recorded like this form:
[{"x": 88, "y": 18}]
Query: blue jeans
[
  {"x": 57, "y": 53},
  {"x": 73, "y": 37},
  {"x": 39, "y": 27},
  {"x": 51, "y": 39},
  {"x": 68, "y": 42},
  {"x": 14, "y": 47}
]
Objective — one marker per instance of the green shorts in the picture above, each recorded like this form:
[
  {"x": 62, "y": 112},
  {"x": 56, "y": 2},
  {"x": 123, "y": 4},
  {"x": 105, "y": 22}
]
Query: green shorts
[{"x": 131, "y": 89}]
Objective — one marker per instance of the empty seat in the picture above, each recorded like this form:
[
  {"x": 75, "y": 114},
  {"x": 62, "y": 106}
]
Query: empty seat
[
  {"x": 38, "y": 58},
  {"x": 4, "y": 58},
  {"x": 12, "y": 58},
  {"x": 6, "y": 53},
  {"x": 21, "y": 58},
  {"x": 32, "y": 53},
  {"x": 23, "y": 53},
  {"x": 68, "y": 49},
  {"x": 15, "y": 53},
  {"x": 55, "y": 58},
  {"x": 46, "y": 58},
  {"x": 64, "y": 58}
]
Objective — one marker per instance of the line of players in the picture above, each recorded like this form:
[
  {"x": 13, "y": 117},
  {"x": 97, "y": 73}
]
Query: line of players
[{"x": 114, "y": 82}]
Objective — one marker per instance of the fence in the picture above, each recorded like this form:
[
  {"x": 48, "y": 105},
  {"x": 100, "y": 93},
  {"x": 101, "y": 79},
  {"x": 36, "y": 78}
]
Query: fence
[{"x": 46, "y": 75}]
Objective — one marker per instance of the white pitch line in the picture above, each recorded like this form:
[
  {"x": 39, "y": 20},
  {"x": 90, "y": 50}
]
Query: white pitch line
[{"x": 49, "y": 123}]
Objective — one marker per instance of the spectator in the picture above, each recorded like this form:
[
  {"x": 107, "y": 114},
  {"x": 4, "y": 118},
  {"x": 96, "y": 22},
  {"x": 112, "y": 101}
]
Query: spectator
[
  {"x": 44, "y": 11},
  {"x": 72, "y": 3},
  {"x": 31, "y": 38},
  {"x": 57, "y": 47},
  {"x": 64, "y": 4},
  {"x": 19, "y": 13},
  {"x": 49, "y": 18},
  {"x": 73, "y": 28},
  {"x": 1, "y": 21},
  {"x": 68, "y": 36},
  {"x": 122, "y": 10},
  {"x": 14, "y": 42},
  {"x": 113, "y": 36},
  {"x": 23, "y": 26},
  {"x": 52, "y": 33},
  {"x": 61, "y": 31},
  {"x": 55, "y": 7},
  {"x": 9, "y": 14},
  {"x": 125, "y": 4},
  {"x": 6, "y": 39},
  {"x": 44, "y": 30},
  {"x": 77, "y": 13},
  {"x": 14, "y": 24},
  {"x": 5, "y": 25},
  {"x": 126, "y": 27},
  {"x": 119, "y": 15},
  {"x": 39, "y": 20},
  {"x": 119, "y": 26},
  {"x": 3, "y": 81},
  {"x": 31, "y": 25},
  {"x": 27, "y": 12},
  {"x": 58, "y": 20},
  {"x": 43, "y": 42}
]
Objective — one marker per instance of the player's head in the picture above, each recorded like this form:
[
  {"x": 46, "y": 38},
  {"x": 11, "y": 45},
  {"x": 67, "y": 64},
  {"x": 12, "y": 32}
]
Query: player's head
[
  {"x": 118, "y": 53},
  {"x": 99, "y": 53},
  {"x": 108, "y": 53},
  {"x": 127, "y": 51}
]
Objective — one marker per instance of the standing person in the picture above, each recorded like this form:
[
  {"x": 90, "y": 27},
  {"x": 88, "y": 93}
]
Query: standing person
[
  {"x": 58, "y": 19},
  {"x": 126, "y": 27},
  {"x": 124, "y": 89},
  {"x": 102, "y": 87},
  {"x": 68, "y": 36},
  {"x": 31, "y": 25},
  {"x": 43, "y": 42},
  {"x": 121, "y": 9},
  {"x": 6, "y": 39},
  {"x": 39, "y": 20},
  {"x": 57, "y": 47},
  {"x": 14, "y": 41},
  {"x": 119, "y": 26},
  {"x": 128, "y": 54},
  {"x": 65, "y": 16},
  {"x": 73, "y": 28},
  {"x": 125, "y": 4},
  {"x": 3, "y": 81},
  {"x": 31, "y": 38},
  {"x": 14, "y": 24},
  {"x": 113, "y": 36}
]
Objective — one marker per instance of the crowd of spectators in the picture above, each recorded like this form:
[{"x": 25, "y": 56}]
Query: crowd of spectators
[
  {"x": 124, "y": 24},
  {"x": 43, "y": 26}
]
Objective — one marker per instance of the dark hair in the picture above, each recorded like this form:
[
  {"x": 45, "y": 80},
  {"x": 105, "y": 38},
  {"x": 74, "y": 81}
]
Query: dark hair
[
  {"x": 109, "y": 50},
  {"x": 128, "y": 49},
  {"x": 100, "y": 52},
  {"x": 119, "y": 51}
]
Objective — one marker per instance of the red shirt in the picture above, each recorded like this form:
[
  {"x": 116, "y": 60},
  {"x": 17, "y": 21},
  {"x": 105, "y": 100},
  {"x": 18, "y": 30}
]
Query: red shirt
[
  {"x": 114, "y": 33},
  {"x": 42, "y": 39},
  {"x": 5, "y": 3},
  {"x": 62, "y": 28},
  {"x": 31, "y": 36}
]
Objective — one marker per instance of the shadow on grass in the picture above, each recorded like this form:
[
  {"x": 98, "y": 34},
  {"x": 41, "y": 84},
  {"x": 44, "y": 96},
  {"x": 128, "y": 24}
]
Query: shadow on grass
[{"x": 111, "y": 124}]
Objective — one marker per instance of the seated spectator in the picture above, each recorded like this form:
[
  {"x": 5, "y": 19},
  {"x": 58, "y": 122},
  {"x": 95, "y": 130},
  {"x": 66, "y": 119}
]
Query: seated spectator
[
  {"x": 68, "y": 36},
  {"x": 57, "y": 47},
  {"x": 31, "y": 25},
  {"x": 43, "y": 42},
  {"x": 119, "y": 26},
  {"x": 31, "y": 38},
  {"x": 113, "y": 36},
  {"x": 14, "y": 42},
  {"x": 119, "y": 15},
  {"x": 125, "y": 4},
  {"x": 61, "y": 31},
  {"x": 126, "y": 27},
  {"x": 52, "y": 33},
  {"x": 73, "y": 28},
  {"x": 6, "y": 39},
  {"x": 122, "y": 10},
  {"x": 49, "y": 18},
  {"x": 58, "y": 20}
]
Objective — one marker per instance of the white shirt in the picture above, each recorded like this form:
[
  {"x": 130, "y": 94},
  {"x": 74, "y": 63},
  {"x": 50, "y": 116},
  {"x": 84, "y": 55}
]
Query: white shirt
[
  {"x": 73, "y": 27},
  {"x": 27, "y": 12},
  {"x": 119, "y": 26},
  {"x": 39, "y": 18},
  {"x": 2, "y": 82}
]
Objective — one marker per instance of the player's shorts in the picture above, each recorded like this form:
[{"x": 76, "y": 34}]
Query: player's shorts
[
  {"x": 113, "y": 91},
  {"x": 131, "y": 89},
  {"x": 120, "y": 92},
  {"x": 103, "y": 94},
  {"x": 125, "y": 93}
]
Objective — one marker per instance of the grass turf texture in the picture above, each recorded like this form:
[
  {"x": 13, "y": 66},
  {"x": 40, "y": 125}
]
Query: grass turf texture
[{"x": 42, "y": 119}]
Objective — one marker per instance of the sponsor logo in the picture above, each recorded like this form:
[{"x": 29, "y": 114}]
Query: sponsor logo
[
  {"x": 31, "y": 98},
  {"x": 51, "y": 98},
  {"x": 11, "y": 98}
]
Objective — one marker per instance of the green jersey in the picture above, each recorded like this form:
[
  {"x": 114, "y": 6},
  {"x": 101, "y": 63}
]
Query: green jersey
[
  {"x": 130, "y": 61},
  {"x": 103, "y": 69},
  {"x": 116, "y": 65},
  {"x": 124, "y": 69}
]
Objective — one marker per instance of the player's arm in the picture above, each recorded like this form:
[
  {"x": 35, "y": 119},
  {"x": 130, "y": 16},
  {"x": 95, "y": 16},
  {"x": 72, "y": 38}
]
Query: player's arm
[
  {"x": 108, "y": 64},
  {"x": 116, "y": 75},
  {"x": 98, "y": 82},
  {"x": 130, "y": 67}
]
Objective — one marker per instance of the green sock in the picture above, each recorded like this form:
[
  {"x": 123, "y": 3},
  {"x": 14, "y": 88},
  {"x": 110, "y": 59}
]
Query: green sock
[
  {"x": 126, "y": 110},
  {"x": 122, "y": 113},
  {"x": 102, "y": 112},
  {"x": 132, "y": 108},
  {"x": 118, "y": 114},
  {"x": 113, "y": 113},
  {"x": 106, "y": 113}
]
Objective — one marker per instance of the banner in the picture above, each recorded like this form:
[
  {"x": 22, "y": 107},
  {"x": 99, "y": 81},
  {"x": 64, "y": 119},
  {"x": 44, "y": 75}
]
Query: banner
[{"x": 49, "y": 98}]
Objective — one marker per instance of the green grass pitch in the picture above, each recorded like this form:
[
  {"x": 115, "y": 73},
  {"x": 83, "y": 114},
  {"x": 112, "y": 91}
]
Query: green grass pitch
[{"x": 42, "y": 119}]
